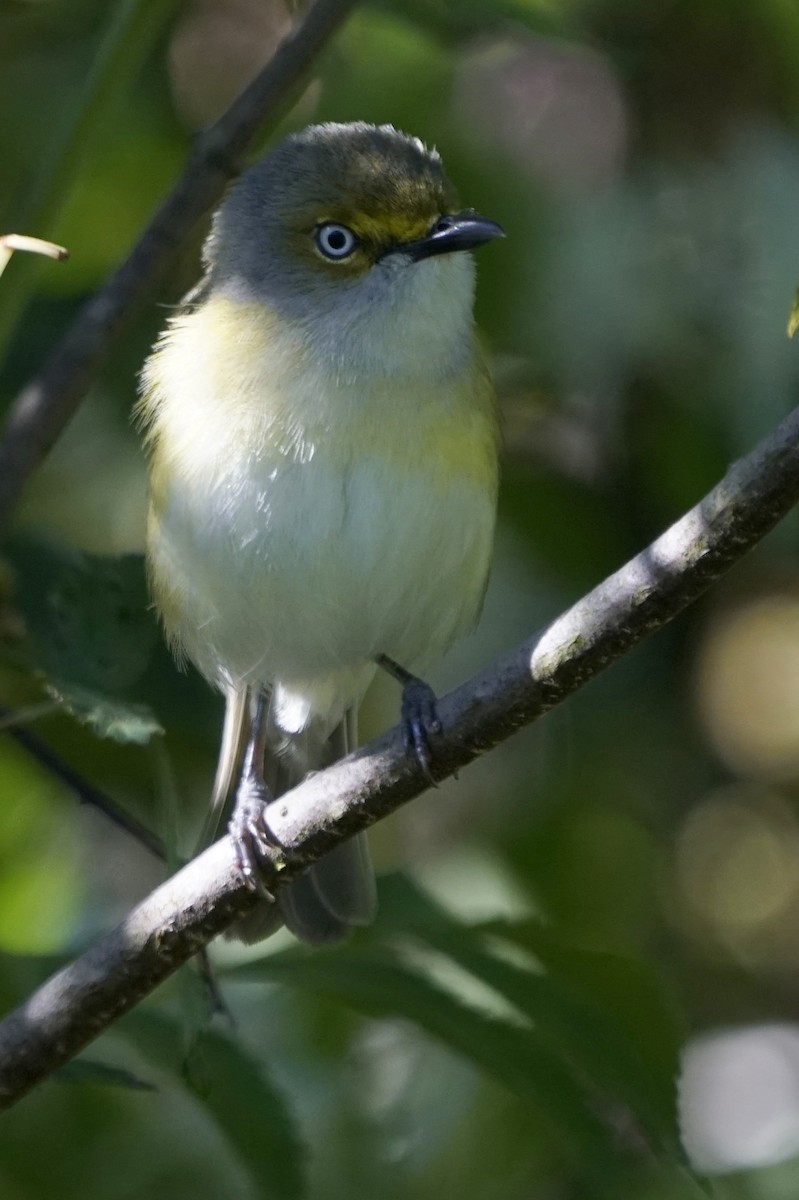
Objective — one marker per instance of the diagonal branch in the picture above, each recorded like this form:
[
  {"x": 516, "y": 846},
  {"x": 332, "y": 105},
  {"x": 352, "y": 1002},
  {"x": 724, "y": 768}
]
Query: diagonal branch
[
  {"x": 206, "y": 897},
  {"x": 45, "y": 405}
]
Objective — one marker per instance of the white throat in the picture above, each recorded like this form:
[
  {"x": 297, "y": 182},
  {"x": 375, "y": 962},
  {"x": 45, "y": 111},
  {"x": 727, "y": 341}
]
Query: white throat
[{"x": 402, "y": 320}]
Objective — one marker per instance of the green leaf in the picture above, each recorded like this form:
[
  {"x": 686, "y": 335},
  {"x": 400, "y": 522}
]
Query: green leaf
[
  {"x": 589, "y": 1008},
  {"x": 89, "y": 631},
  {"x": 381, "y": 985},
  {"x": 86, "y": 615},
  {"x": 85, "y": 1070},
  {"x": 628, "y": 990},
  {"x": 237, "y": 1096}
]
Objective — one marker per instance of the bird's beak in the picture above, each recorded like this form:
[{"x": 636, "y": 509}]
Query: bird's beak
[{"x": 462, "y": 231}]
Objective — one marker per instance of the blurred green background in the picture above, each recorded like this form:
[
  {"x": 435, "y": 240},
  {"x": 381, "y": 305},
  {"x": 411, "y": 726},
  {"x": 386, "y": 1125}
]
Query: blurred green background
[{"x": 616, "y": 886}]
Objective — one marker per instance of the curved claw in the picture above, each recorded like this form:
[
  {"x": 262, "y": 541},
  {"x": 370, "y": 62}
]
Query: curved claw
[
  {"x": 250, "y": 834},
  {"x": 420, "y": 722}
]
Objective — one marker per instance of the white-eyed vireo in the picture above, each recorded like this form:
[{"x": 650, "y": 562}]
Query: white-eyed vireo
[{"x": 324, "y": 470}]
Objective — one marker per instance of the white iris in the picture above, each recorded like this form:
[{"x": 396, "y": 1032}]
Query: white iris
[{"x": 335, "y": 241}]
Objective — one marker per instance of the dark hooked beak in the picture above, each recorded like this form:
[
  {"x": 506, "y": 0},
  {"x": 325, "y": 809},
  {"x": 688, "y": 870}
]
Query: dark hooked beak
[{"x": 462, "y": 231}]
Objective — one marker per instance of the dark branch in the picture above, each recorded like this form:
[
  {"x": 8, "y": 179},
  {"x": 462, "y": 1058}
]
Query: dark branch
[
  {"x": 43, "y": 408},
  {"x": 208, "y": 895}
]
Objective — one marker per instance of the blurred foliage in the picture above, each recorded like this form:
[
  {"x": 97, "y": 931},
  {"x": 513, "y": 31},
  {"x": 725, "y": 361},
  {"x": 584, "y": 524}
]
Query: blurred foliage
[{"x": 618, "y": 884}]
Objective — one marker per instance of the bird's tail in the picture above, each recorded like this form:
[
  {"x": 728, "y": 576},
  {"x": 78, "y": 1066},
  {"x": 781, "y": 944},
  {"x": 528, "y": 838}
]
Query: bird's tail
[{"x": 336, "y": 894}]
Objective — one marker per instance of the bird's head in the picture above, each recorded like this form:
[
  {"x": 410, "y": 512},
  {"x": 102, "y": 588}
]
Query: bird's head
[
  {"x": 343, "y": 223},
  {"x": 334, "y": 205}
]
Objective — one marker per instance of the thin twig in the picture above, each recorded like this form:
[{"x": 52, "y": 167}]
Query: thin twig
[
  {"x": 45, "y": 405},
  {"x": 33, "y": 245},
  {"x": 208, "y": 895},
  {"x": 86, "y": 792},
  {"x": 9, "y": 242}
]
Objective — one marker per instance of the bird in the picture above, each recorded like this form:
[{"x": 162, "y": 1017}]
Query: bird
[{"x": 322, "y": 438}]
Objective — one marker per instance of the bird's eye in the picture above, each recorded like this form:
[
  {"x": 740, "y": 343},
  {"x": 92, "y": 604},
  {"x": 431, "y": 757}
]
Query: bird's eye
[{"x": 336, "y": 241}]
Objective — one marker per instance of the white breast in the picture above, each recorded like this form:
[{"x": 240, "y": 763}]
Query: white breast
[{"x": 307, "y": 524}]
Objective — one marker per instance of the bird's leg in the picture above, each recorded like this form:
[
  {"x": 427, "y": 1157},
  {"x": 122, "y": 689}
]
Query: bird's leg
[
  {"x": 247, "y": 825},
  {"x": 419, "y": 713}
]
